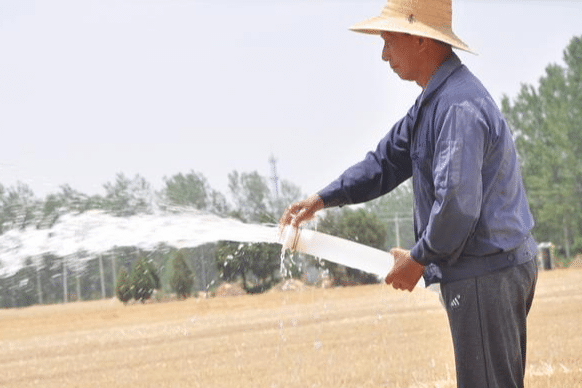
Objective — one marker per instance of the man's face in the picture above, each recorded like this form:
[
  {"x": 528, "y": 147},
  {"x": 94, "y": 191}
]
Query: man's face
[{"x": 401, "y": 51}]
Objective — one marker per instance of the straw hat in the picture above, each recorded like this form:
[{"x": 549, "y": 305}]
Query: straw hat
[{"x": 427, "y": 18}]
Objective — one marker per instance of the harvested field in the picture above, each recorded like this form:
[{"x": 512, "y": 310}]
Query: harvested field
[{"x": 369, "y": 336}]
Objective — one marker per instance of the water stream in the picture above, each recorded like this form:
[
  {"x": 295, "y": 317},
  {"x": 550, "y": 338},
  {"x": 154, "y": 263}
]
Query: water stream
[{"x": 95, "y": 232}]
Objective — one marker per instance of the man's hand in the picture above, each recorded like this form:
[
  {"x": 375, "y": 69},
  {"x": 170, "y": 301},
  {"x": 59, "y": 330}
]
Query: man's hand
[
  {"x": 301, "y": 211},
  {"x": 406, "y": 271}
]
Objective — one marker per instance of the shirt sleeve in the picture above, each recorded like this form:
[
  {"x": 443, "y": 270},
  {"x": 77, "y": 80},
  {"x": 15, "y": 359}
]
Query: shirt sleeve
[
  {"x": 380, "y": 171},
  {"x": 457, "y": 179}
]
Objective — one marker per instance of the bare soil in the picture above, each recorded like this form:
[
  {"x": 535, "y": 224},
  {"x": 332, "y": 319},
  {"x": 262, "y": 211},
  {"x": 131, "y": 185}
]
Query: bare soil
[{"x": 368, "y": 336}]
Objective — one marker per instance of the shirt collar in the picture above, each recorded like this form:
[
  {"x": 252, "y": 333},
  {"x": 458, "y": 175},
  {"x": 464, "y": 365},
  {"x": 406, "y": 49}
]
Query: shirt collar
[{"x": 442, "y": 73}]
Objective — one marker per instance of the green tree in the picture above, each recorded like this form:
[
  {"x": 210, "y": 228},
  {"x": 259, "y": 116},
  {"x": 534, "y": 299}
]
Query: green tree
[
  {"x": 203, "y": 259},
  {"x": 193, "y": 190},
  {"x": 67, "y": 200},
  {"x": 217, "y": 203},
  {"x": 251, "y": 196},
  {"x": 3, "y": 215},
  {"x": 182, "y": 278},
  {"x": 288, "y": 193},
  {"x": 74, "y": 201},
  {"x": 256, "y": 265},
  {"x": 123, "y": 287},
  {"x": 187, "y": 190},
  {"x": 50, "y": 271},
  {"x": 395, "y": 211},
  {"x": 25, "y": 285},
  {"x": 19, "y": 207},
  {"x": 546, "y": 123},
  {"x": 357, "y": 225},
  {"x": 51, "y": 210},
  {"x": 144, "y": 280},
  {"x": 127, "y": 197}
]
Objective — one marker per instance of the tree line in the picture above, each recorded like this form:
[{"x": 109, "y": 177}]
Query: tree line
[
  {"x": 545, "y": 120},
  {"x": 547, "y": 124},
  {"x": 255, "y": 266}
]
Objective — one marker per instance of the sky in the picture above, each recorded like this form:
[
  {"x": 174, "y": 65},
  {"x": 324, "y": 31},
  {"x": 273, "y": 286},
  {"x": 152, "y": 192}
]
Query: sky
[{"x": 92, "y": 88}]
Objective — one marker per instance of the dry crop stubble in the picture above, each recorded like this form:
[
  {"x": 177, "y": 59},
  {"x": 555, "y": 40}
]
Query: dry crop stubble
[{"x": 369, "y": 336}]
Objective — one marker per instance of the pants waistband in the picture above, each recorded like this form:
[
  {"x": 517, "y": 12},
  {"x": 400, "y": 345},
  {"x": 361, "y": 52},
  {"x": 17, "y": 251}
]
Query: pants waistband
[{"x": 467, "y": 267}]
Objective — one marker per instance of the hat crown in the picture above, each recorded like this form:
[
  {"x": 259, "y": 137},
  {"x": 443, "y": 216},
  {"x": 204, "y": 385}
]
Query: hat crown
[
  {"x": 435, "y": 13},
  {"x": 428, "y": 18}
]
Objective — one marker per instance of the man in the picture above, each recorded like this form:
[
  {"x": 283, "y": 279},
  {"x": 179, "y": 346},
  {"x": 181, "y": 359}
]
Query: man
[{"x": 472, "y": 220}]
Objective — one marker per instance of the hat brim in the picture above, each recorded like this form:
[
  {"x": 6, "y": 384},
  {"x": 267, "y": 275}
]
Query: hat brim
[{"x": 376, "y": 25}]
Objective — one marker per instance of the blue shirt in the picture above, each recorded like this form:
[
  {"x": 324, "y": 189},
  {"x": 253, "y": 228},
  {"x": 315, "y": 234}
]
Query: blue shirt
[{"x": 469, "y": 198}]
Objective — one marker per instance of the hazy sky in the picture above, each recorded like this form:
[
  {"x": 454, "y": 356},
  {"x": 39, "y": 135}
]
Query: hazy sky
[{"x": 157, "y": 87}]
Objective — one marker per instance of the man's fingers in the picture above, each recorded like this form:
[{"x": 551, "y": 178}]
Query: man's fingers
[
  {"x": 300, "y": 216},
  {"x": 298, "y": 212},
  {"x": 398, "y": 251},
  {"x": 287, "y": 216},
  {"x": 407, "y": 287},
  {"x": 295, "y": 217},
  {"x": 399, "y": 285}
]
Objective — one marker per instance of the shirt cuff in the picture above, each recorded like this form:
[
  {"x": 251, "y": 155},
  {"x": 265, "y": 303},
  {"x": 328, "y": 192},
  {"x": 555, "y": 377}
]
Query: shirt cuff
[
  {"x": 416, "y": 254},
  {"x": 333, "y": 195}
]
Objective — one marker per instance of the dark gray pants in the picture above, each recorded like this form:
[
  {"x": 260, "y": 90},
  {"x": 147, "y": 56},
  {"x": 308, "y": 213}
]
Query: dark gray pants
[{"x": 487, "y": 316}]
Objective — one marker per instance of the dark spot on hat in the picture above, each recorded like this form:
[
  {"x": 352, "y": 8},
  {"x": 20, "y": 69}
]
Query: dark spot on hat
[{"x": 411, "y": 18}]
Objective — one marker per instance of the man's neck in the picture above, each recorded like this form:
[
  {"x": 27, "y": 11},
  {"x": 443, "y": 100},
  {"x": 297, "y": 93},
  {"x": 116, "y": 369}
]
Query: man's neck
[{"x": 434, "y": 60}]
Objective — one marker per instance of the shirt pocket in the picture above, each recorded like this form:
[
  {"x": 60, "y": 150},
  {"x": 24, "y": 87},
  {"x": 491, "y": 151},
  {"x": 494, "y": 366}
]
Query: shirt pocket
[{"x": 448, "y": 163}]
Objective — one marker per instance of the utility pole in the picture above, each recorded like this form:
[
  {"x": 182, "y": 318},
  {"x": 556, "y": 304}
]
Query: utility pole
[
  {"x": 566, "y": 240},
  {"x": 397, "y": 230},
  {"x": 274, "y": 176},
  {"x": 203, "y": 259},
  {"x": 113, "y": 269},
  {"x": 101, "y": 276},
  {"x": 38, "y": 284},
  {"x": 78, "y": 286},
  {"x": 65, "y": 294},
  {"x": 397, "y": 219}
]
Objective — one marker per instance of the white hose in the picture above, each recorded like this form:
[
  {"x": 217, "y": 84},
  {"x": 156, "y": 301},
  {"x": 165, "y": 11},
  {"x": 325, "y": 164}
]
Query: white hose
[{"x": 339, "y": 250}]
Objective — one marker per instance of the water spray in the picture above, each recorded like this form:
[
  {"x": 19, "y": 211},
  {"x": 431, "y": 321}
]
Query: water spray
[{"x": 95, "y": 232}]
